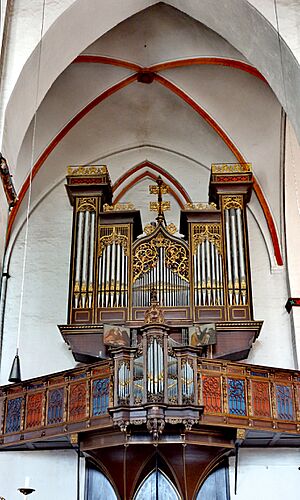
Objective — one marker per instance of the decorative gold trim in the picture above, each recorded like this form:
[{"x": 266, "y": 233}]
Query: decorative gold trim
[
  {"x": 171, "y": 228},
  {"x": 232, "y": 202},
  {"x": 149, "y": 228},
  {"x": 164, "y": 206},
  {"x": 80, "y": 170},
  {"x": 110, "y": 234},
  {"x": 210, "y": 232},
  {"x": 200, "y": 206},
  {"x": 231, "y": 168},
  {"x": 118, "y": 207},
  {"x": 146, "y": 256},
  {"x": 86, "y": 205}
]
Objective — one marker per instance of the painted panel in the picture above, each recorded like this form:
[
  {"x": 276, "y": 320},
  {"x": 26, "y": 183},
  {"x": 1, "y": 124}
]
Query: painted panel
[
  {"x": 34, "y": 410},
  {"x": 77, "y": 402},
  {"x": 13, "y": 417},
  {"x": 55, "y": 406},
  {"x": 236, "y": 397},
  {"x": 284, "y": 400},
  {"x": 100, "y": 396},
  {"x": 211, "y": 390},
  {"x": 260, "y": 399}
]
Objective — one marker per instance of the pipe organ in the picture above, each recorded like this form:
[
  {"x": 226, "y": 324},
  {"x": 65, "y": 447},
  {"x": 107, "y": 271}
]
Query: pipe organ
[{"x": 201, "y": 276}]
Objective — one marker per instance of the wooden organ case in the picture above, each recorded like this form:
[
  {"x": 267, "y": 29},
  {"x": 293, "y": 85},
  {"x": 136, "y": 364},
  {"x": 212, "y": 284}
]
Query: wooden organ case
[{"x": 200, "y": 277}]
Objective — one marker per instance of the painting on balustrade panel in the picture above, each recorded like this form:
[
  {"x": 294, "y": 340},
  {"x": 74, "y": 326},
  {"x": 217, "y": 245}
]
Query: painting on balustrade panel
[
  {"x": 55, "y": 407},
  {"x": 100, "y": 396},
  {"x": 13, "y": 415},
  {"x": 77, "y": 401},
  {"x": 284, "y": 399},
  {"x": 260, "y": 392},
  {"x": 211, "y": 392},
  {"x": 236, "y": 397},
  {"x": 34, "y": 410}
]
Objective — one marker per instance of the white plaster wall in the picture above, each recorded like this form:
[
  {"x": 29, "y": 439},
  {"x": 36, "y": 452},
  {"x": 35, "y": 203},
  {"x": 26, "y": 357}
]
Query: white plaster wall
[
  {"x": 252, "y": 36},
  {"x": 53, "y": 474},
  {"x": 42, "y": 349},
  {"x": 292, "y": 215},
  {"x": 243, "y": 105},
  {"x": 266, "y": 474},
  {"x": 269, "y": 290},
  {"x": 129, "y": 119}
]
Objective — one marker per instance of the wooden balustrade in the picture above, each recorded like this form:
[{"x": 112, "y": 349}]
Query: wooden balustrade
[
  {"x": 232, "y": 394},
  {"x": 62, "y": 403}
]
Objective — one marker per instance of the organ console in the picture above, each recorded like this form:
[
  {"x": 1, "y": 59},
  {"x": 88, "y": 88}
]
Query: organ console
[{"x": 200, "y": 276}]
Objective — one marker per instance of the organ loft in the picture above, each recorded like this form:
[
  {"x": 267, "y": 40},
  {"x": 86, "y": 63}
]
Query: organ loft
[
  {"x": 201, "y": 276},
  {"x": 160, "y": 320}
]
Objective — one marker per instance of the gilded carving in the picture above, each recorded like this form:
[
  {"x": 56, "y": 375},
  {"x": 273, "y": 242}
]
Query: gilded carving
[
  {"x": 86, "y": 205},
  {"x": 149, "y": 228},
  {"x": 80, "y": 170},
  {"x": 232, "y": 202},
  {"x": 146, "y": 257},
  {"x": 113, "y": 234},
  {"x": 117, "y": 207},
  {"x": 230, "y": 168},
  {"x": 200, "y": 206},
  {"x": 155, "y": 206},
  {"x": 210, "y": 232},
  {"x": 171, "y": 228}
]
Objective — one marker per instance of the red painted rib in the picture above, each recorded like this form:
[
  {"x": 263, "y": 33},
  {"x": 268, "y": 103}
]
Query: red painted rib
[
  {"x": 137, "y": 179},
  {"x": 210, "y": 61},
  {"x": 107, "y": 93},
  {"x": 186, "y": 98},
  {"x": 112, "y": 61},
  {"x": 190, "y": 102},
  {"x": 237, "y": 154},
  {"x": 157, "y": 169}
]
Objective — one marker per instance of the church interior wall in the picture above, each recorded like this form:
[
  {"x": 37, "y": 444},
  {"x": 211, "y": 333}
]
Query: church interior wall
[
  {"x": 141, "y": 123},
  {"x": 265, "y": 474}
]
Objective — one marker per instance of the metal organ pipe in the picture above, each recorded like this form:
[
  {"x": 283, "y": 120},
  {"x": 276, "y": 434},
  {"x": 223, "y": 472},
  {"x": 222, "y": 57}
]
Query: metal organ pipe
[
  {"x": 85, "y": 259},
  {"x": 213, "y": 273},
  {"x": 91, "y": 257},
  {"x": 208, "y": 281},
  {"x": 79, "y": 243},
  {"x": 228, "y": 252},
  {"x": 118, "y": 281},
  {"x": 241, "y": 254},
  {"x": 221, "y": 279},
  {"x": 235, "y": 255}
]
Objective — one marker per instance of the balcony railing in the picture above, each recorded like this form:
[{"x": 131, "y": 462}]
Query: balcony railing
[{"x": 230, "y": 394}]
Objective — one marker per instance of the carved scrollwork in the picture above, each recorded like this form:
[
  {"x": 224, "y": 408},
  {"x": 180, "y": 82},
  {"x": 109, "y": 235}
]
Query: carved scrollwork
[
  {"x": 210, "y": 232},
  {"x": 230, "y": 168},
  {"x": 155, "y": 426},
  {"x": 86, "y": 205},
  {"x": 88, "y": 170},
  {"x": 146, "y": 257},
  {"x": 117, "y": 207},
  {"x": 113, "y": 234},
  {"x": 232, "y": 202},
  {"x": 200, "y": 206}
]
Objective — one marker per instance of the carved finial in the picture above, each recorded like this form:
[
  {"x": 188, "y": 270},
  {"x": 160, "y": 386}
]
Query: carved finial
[
  {"x": 154, "y": 314},
  {"x": 159, "y": 206}
]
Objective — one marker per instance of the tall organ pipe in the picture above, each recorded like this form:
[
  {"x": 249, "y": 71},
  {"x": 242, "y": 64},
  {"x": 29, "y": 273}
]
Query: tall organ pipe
[
  {"x": 91, "y": 257},
  {"x": 235, "y": 255},
  {"x": 213, "y": 273},
  {"x": 228, "y": 253},
  {"x": 241, "y": 253}
]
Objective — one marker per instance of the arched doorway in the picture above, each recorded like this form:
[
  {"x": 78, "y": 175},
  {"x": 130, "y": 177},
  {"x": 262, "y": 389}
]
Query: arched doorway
[{"x": 156, "y": 486}]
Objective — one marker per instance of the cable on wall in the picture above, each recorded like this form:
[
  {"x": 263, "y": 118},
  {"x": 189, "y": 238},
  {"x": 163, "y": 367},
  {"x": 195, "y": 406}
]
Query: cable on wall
[{"x": 15, "y": 373}]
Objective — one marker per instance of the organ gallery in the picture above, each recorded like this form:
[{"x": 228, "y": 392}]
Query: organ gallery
[{"x": 159, "y": 320}]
